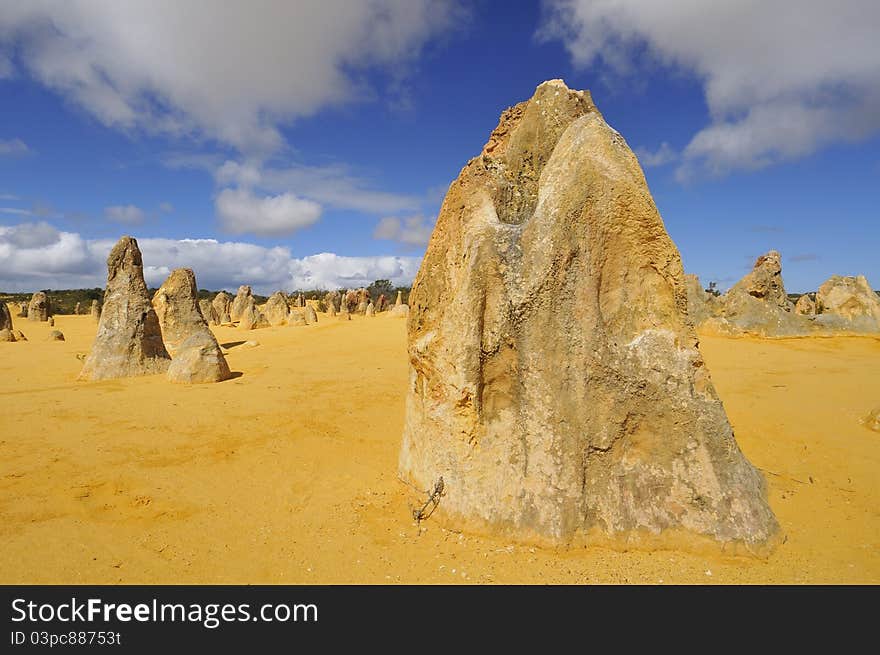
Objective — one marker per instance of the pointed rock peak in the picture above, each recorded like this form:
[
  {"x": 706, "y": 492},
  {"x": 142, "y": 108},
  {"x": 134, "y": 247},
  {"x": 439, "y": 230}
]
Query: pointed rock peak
[
  {"x": 526, "y": 136},
  {"x": 556, "y": 386},
  {"x": 765, "y": 281},
  {"x": 129, "y": 339},
  {"x": 771, "y": 260},
  {"x": 125, "y": 254}
]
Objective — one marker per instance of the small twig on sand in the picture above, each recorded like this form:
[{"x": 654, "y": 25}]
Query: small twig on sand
[
  {"x": 433, "y": 501},
  {"x": 786, "y": 477}
]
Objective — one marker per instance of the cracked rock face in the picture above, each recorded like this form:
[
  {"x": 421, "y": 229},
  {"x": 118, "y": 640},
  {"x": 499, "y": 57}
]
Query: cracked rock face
[
  {"x": 555, "y": 382},
  {"x": 129, "y": 341}
]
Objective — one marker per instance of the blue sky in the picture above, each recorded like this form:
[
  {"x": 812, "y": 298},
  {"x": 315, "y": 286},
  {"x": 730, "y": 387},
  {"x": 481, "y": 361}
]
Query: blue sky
[{"x": 276, "y": 135}]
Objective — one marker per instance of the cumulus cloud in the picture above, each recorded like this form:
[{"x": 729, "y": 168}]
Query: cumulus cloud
[
  {"x": 13, "y": 148},
  {"x": 781, "y": 79},
  {"x": 412, "y": 231},
  {"x": 232, "y": 74},
  {"x": 332, "y": 186},
  {"x": 38, "y": 256},
  {"x": 660, "y": 157},
  {"x": 240, "y": 211},
  {"x": 126, "y": 214},
  {"x": 303, "y": 192}
]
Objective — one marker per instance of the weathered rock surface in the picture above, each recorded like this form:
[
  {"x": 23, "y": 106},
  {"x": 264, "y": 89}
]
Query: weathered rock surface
[
  {"x": 297, "y": 317},
  {"x": 19, "y": 335},
  {"x": 55, "y": 335},
  {"x": 208, "y": 312},
  {"x": 5, "y": 317},
  {"x": 698, "y": 299},
  {"x": 756, "y": 305},
  {"x": 39, "y": 308},
  {"x": 6, "y": 336},
  {"x": 222, "y": 306},
  {"x": 311, "y": 315},
  {"x": 51, "y": 321},
  {"x": 739, "y": 313},
  {"x": 77, "y": 309},
  {"x": 555, "y": 381},
  {"x": 240, "y": 302},
  {"x": 198, "y": 360},
  {"x": 849, "y": 302},
  {"x": 843, "y": 305},
  {"x": 195, "y": 354},
  {"x": 765, "y": 281},
  {"x": 805, "y": 306},
  {"x": 370, "y": 310},
  {"x": 331, "y": 301},
  {"x": 129, "y": 340},
  {"x": 22, "y": 310},
  {"x": 252, "y": 318},
  {"x": 276, "y": 309},
  {"x": 95, "y": 311}
]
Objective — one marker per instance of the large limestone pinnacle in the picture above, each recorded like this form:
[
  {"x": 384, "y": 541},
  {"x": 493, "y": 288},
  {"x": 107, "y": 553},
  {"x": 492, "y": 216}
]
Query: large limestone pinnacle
[
  {"x": 196, "y": 356},
  {"x": 129, "y": 340},
  {"x": 555, "y": 382}
]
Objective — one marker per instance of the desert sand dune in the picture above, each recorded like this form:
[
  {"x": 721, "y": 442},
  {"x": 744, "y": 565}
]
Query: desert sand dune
[{"x": 287, "y": 473}]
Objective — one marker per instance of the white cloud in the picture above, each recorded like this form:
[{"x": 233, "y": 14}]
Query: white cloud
[
  {"x": 412, "y": 231},
  {"x": 329, "y": 271},
  {"x": 241, "y": 211},
  {"x": 166, "y": 207},
  {"x": 781, "y": 79},
  {"x": 38, "y": 256},
  {"x": 660, "y": 157},
  {"x": 126, "y": 214},
  {"x": 17, "y": 211},
  {"x": 333, "y": 186},
  {"x": 13, "y": 148},
  {"x": 232, "y": 74}
]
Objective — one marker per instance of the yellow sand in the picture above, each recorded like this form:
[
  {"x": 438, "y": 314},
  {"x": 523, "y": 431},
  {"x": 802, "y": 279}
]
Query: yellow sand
[{"x": 287, "y": 474}]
